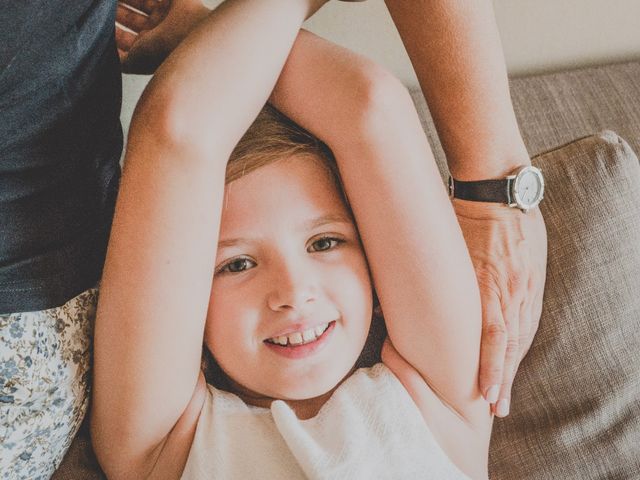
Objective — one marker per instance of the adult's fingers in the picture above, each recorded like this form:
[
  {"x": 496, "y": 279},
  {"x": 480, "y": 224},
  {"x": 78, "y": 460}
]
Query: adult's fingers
[
  {"x": 514, "y": 314},
  {"x": 145, "y": 55},
  {"x": 493, "y": 346},
  {"x": 124, "y": 39},
  {"x": 122, "y": 55},
  {"x": 131, "y": 19},
  {"x": 145, "y": 6}
]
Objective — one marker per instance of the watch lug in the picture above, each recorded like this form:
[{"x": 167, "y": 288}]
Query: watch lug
[{"x": 510, "y": 201}]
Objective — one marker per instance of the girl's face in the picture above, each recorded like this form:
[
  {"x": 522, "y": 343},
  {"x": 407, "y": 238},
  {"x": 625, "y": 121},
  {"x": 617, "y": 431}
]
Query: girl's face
[{"x": 290, "y": 270}]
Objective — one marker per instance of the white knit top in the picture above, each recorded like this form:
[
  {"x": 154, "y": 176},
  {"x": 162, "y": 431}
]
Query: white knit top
[{"x": 370, "y": 428}]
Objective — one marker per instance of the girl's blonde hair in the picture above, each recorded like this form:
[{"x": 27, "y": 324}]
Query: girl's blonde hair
[{"x": 272, "y": 137}]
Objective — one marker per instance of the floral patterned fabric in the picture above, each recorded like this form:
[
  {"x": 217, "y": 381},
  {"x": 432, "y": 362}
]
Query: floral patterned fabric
[{"x": 45, "y": 361}]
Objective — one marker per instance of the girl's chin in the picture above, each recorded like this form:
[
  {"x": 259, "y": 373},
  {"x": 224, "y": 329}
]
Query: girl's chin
[
  {"x": 302, "y": 391},
  {"x": 307, "y": 387}
]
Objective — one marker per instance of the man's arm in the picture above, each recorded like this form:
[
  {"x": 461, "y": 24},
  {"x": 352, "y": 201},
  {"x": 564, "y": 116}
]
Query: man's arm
[{"x": 456, "y": 51}]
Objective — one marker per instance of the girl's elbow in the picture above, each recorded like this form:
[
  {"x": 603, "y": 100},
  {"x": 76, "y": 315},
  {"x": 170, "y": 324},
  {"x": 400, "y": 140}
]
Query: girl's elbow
[
  {"x": 168, "y": 120},
  {"x": 382, "y": 97},
  {"x": 160, "y": 119}
]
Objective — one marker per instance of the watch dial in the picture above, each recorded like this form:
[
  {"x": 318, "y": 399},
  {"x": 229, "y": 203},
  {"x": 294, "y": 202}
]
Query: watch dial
[{"x": 529, "y": 188}]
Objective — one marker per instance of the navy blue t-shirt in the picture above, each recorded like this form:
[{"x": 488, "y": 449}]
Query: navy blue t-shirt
[{"x": 60, "y": 144}]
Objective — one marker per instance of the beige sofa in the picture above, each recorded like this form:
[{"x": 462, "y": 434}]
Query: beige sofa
[{"x": 576, "y": 399}]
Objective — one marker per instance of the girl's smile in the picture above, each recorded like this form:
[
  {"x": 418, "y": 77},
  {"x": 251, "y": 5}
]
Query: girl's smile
[{"x": 301, "y": 345}]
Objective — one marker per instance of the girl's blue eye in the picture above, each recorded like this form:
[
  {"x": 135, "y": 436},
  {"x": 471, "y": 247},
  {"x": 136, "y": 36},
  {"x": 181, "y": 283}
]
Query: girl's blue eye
[
  {"x": 240, "y": 265},
  {"x": 236, "y": 266},
  {"x": 326, "y": 243}
]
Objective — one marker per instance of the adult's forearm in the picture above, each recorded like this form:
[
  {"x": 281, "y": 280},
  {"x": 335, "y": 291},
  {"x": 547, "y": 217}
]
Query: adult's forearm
[{"x": 455, "y": 48}]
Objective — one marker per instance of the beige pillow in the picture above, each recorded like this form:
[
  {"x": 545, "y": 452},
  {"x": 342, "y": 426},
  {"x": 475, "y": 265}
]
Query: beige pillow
[{"x": 576, "y": 400}]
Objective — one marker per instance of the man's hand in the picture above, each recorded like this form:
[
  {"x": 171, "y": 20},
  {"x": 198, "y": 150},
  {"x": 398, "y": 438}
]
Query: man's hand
[
  {"x": 509, "y": 253},
  {"x": 147, "y": 31}
]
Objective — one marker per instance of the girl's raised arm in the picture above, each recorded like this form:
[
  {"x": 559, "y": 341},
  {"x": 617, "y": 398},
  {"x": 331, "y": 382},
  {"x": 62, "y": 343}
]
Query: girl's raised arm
[
  {"x": 159, "y": 267},
  {"x": 420, "y": 265}
]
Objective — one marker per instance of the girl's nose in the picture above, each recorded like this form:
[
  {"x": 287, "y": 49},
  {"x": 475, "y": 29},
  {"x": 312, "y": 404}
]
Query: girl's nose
[{"x": 292, "y": 287}]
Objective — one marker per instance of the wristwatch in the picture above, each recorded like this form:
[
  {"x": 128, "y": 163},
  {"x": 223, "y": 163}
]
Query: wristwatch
[{"x": 523, "y": 189}]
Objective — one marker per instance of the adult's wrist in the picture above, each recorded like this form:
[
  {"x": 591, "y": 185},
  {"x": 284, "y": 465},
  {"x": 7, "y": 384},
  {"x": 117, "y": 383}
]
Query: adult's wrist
[
  {"x": 489, "y": 210},
  {"x": 487, "y": 165}
]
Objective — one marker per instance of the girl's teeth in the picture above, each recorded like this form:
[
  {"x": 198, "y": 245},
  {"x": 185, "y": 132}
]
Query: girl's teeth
[
  {"x": 295, "y": 338},
  {"x": 309, "y": 335},
  {"x": 299, "y": 338}
]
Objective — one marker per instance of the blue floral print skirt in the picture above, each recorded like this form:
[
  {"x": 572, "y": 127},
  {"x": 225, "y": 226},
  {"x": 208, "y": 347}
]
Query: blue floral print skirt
[{"x": 45, "y": 361}]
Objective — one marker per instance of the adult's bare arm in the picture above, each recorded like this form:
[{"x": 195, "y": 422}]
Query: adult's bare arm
[{"x": 455, "y": 49}]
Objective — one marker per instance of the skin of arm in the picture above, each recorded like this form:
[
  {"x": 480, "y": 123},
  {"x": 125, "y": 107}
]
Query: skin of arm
[
  {"x": 157, "y": 278},
  {"x": 418, "y": 258},
  {"x": 455, "y": 49}
]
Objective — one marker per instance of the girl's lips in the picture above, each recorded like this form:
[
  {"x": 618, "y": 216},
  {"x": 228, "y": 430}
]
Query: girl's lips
[{"x": 302, "y": 351}]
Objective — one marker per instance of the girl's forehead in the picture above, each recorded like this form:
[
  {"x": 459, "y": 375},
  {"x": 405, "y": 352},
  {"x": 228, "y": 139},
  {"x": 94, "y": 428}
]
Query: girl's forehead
[{"x": 286, "y": 192}]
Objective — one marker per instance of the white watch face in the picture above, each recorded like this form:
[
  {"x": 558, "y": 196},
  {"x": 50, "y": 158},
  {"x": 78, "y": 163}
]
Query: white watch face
[{"x": 529, "y": 187}]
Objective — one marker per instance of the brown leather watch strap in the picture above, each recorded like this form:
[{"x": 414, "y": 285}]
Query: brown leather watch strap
[{"x": 481, "y": 190}]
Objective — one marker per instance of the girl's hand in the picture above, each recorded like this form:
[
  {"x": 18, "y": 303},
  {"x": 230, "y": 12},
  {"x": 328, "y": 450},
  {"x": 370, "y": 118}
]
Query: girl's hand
[{"x": 509, "y": 253}]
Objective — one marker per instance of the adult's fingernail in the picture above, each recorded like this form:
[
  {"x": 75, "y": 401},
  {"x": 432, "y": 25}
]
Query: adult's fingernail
[
  {"x": 502, "y": 408},
  {"x": 492, "y": 393}
]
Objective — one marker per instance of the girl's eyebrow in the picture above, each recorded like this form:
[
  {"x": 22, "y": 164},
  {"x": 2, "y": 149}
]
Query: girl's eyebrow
[
  {"x": 306, "y": 226},
  {"x": 325, "y": 219}
]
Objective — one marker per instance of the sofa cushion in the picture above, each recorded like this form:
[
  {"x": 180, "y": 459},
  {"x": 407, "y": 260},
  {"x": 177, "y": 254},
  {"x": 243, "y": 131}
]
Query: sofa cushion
[
  {"x": 576, "y": 399},
  {"x": 556, "y": 108}
]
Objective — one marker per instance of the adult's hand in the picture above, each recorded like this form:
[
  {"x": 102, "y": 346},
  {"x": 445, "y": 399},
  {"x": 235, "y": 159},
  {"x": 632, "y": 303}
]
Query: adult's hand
[
  {"x": 152, "y": 29},
  {"x": 509, "y": 253}
]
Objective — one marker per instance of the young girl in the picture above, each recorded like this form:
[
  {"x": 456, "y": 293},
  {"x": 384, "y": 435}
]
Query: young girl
[{"x": 276, "y": 272}]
